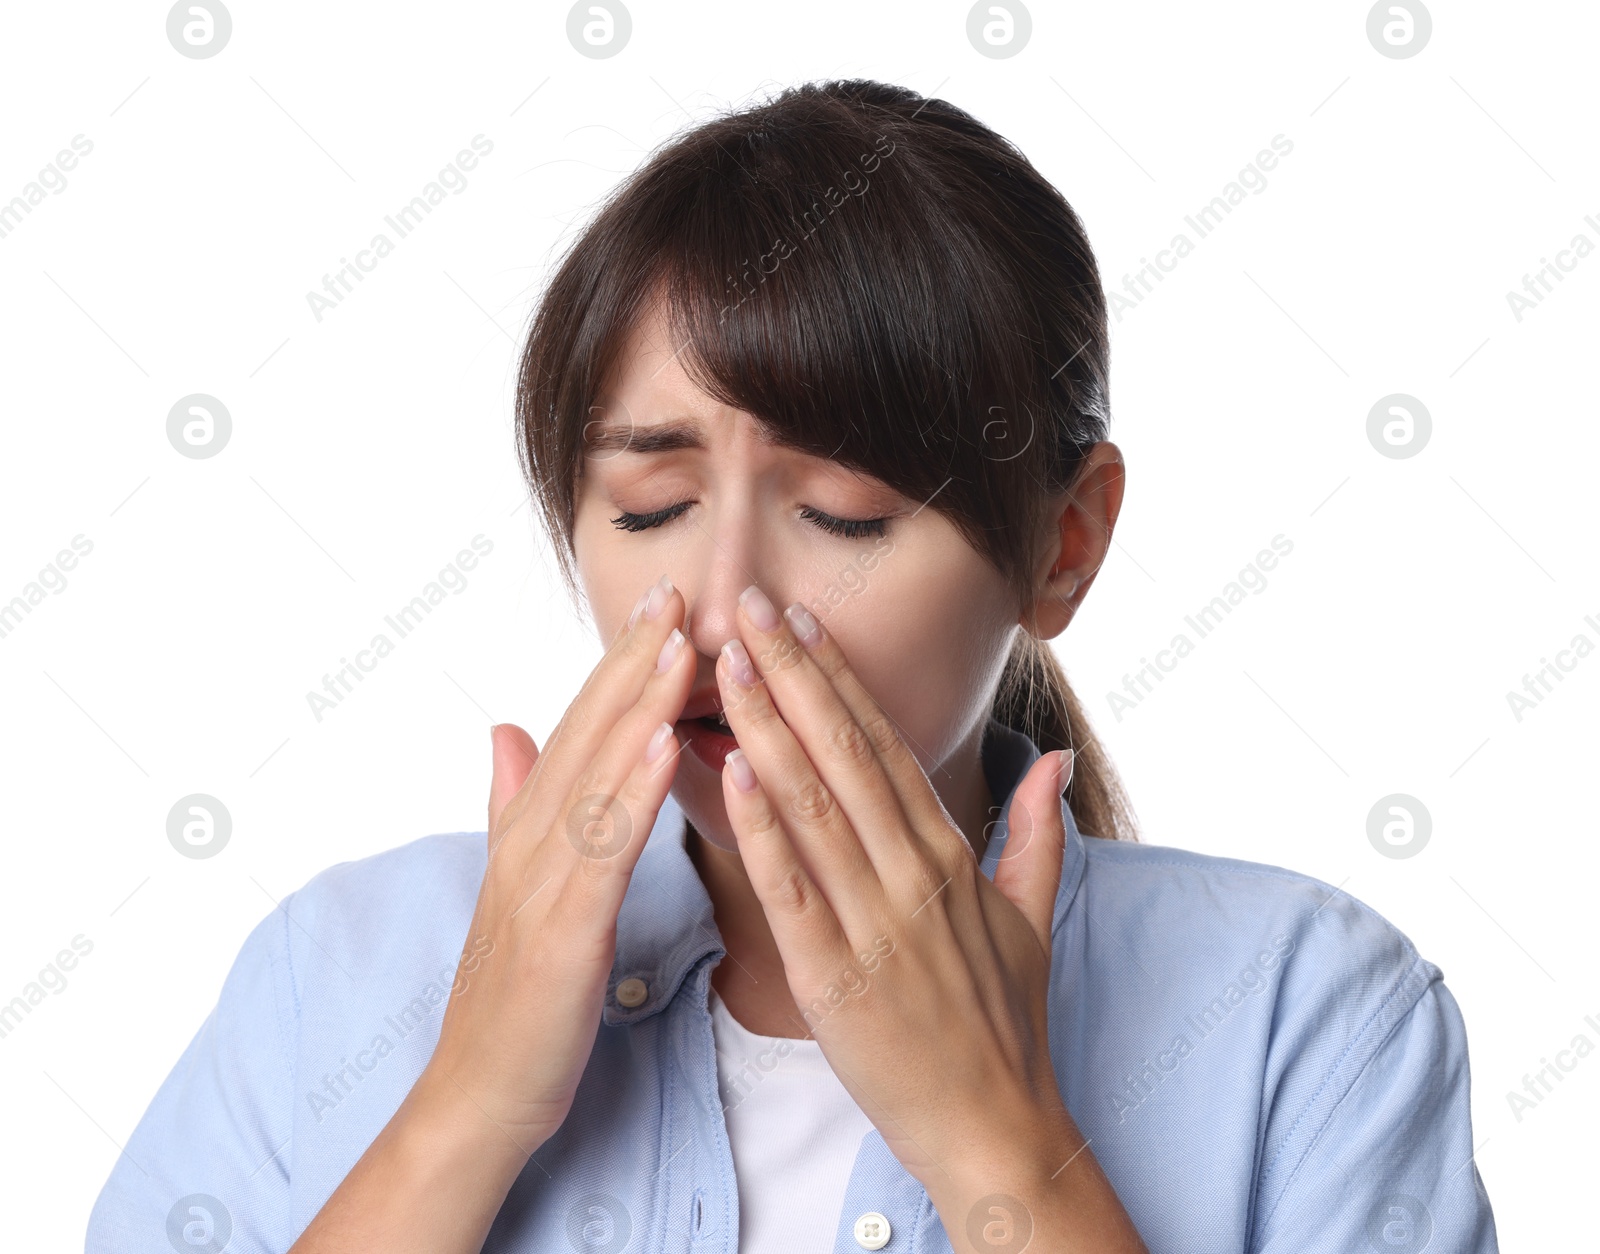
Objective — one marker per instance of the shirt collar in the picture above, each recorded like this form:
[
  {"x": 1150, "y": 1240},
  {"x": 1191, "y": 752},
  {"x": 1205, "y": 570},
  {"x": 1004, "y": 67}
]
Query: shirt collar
[{"x": 666, "y": 924}]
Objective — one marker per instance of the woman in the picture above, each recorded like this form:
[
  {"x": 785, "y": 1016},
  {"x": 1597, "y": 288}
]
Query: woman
[{"x": 853, "y": 972}]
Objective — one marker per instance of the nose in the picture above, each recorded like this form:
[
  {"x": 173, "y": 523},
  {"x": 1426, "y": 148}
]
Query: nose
[
  {"x": 729, "y": 565},
  {"x": 713, "y": 605}
]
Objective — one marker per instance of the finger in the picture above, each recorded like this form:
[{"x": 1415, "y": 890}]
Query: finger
[
  {"x": 610, "y": 691},
  {"x": 513, "y": 754},
  {"x": 818, "y": 828},
  {"x": 840, "y": 750},
  {"x": 594, "y": 888},
  {"x": 608, "y": 813},
  {"x": 918, "y": 800},
  {"x": 1029, "y": 869},
  {"x": 639, "y": 607},
  {"x": 803, "y": 923}
]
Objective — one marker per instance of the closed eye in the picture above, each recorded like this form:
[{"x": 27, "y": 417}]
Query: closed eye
[
  {"x": 643, "y": 522},
  {"x": 848, "y": 528},
  {"x": 851, "y": 528}
]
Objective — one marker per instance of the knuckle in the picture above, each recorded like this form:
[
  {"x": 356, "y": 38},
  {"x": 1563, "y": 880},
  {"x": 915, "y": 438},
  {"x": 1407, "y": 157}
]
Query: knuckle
[
  {"x": 829, "y": 662},
  {"x": 762, "y": 714},
  {"x": 793, "y": 892},
  {"x": 781, "y": 653},
  {"x": 630, "y": 648},
  {"x": 852, "y": 745},
  {"x": 592, "y": 870},
  {"x": 924, "y": 879},
  {"x": 589, "y": 874},
  {"x": 743, "y": 701},
  {"x": 589, "y": 785},
  {"x": 812, "y": 803},
  {"x": 882, "y": 733},
  {"x": 765, "y": 826}
]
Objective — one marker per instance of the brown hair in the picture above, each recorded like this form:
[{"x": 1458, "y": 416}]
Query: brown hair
[{"x": 881, "y": 280}]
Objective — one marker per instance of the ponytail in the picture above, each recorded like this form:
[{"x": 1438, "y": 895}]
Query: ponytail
[{"x": 1035, "y": 699}]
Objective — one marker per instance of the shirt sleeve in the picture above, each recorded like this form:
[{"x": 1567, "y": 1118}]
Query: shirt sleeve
[
  {"x": 207, "y": 1165},
  {"x": 1390, "y": 1165}
]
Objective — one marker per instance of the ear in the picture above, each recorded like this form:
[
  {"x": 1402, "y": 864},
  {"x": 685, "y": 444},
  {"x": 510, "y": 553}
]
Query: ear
[{"x": 1082, "y": 520}]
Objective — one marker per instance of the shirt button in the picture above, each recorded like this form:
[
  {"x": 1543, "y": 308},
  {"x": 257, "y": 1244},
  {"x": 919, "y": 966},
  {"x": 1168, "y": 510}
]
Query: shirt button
[
  {"x": 872, "y": 1231},
  {"x": 632, "y": 991}
]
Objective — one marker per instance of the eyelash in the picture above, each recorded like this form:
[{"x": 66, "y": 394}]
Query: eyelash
[{"x": 848, "y": 528}]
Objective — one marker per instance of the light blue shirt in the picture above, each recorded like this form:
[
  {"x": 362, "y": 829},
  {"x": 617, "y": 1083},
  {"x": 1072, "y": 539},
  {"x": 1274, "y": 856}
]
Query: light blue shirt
[{"x": 1260, "y": 1062}]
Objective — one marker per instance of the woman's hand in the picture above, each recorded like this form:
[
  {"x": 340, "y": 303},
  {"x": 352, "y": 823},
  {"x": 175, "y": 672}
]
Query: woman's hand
[
  {"x": 925, "y": 983},
  {"x": 566, "y": 827}
]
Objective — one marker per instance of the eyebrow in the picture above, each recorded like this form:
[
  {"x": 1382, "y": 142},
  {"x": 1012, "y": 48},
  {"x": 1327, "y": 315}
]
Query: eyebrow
[{"x": 662, "y": 437}]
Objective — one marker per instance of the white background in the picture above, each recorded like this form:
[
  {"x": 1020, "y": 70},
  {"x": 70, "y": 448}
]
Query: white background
[{"x": 369, "y": 448}]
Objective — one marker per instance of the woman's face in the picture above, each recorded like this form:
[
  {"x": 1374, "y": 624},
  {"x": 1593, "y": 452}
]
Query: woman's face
[{"x": 921, "y": 616}]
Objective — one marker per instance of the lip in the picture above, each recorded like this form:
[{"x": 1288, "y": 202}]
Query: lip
[
  {"x": 705, "y": 701},
  {"x": 711, "y": 747},
  {"x": 708, "y": 744}
]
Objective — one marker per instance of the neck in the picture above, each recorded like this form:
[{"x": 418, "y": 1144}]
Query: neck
[{"x": 750, "y": 979}]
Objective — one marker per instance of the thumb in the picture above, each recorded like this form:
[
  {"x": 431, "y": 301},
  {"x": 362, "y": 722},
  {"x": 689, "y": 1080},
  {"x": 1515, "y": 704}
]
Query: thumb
[
  {"x": 514, "y": 755},
  {"x": 1029, "y": 870}
]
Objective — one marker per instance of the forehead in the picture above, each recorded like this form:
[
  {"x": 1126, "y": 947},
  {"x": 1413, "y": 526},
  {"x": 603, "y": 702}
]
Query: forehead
[
  {"x": 650, "y": 404},
  {"x": 615, "y": 432}
]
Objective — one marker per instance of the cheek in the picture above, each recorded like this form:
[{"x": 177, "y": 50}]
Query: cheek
[
  {"x": 930, "y": 668},
  {"x": 610, "y": 571}
]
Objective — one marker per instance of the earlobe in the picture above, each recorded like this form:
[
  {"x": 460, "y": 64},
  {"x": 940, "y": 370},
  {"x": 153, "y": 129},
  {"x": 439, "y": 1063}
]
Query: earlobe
[
  {"x": 1083, "y": 518},
  {"x": 1053, "y": 609}
]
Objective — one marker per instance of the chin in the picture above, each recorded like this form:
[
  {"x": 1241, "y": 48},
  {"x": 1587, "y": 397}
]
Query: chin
[{"x": 706, "y": 814}]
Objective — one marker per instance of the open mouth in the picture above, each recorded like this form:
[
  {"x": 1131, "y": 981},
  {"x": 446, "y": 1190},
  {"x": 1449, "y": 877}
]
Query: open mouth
[{"x": 709, "y": 738}]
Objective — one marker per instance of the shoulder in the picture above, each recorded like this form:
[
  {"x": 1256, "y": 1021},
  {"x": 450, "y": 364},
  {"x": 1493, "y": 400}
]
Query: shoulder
[
  {"x": 1328, "y": 979},
  {"x": 1185, "y": 901},
  {"x": 1297, "y": 1014},
  {"x": 310, "y": 986},
  {"x": 401, "y": 877},
  {"x": 390, "y": 910}
]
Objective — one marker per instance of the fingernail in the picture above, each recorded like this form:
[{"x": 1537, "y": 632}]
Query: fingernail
[
  {"x": 744, "y": 775},
  {"x": 659, "y": 595},
  {"x": 658, "y": 742},
  {"x": 1064, "y": 769},
  {"x": 803, "y": 624},
  {"x": 759, "y": 608},
  {"x": 638, "y": 608},
  {"x": 669, "y": 651},
  {"x": 739, "y": 663}
]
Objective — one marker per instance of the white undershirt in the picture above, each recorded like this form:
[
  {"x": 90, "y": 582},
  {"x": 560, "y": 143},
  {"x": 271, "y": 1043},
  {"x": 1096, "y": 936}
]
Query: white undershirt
[{"x": 794, "y": 1131}]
